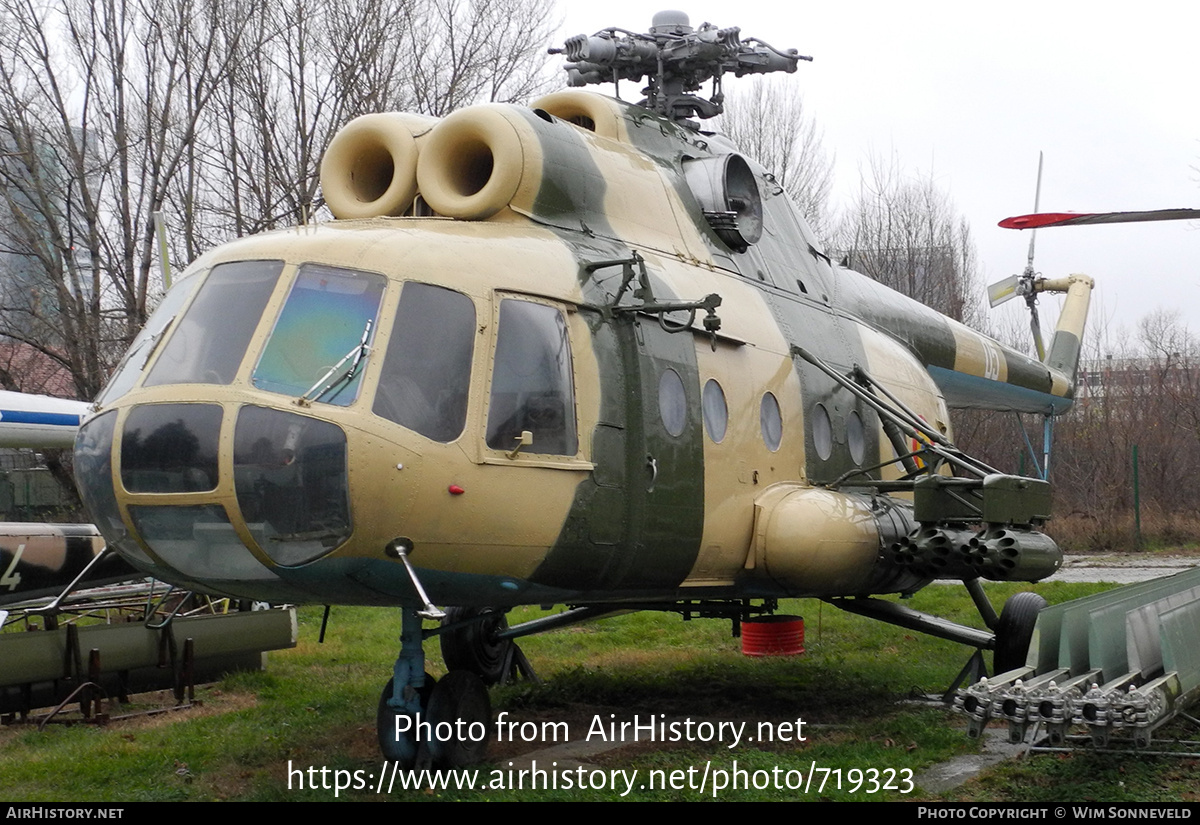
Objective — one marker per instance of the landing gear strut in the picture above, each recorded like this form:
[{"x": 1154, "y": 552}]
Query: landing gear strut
[
  {"x": 1013, "y": 631},
  {"x": 426, "y": 723},
  {"x": 405, "y": 697}
]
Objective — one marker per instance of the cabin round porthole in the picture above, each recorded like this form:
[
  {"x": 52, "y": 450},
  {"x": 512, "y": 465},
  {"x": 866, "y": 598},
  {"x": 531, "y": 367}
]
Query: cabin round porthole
[
  {"x": 672, "y": 402},
  {"x": 716, "y": 412},
  {"x": 856, "y": 437},
  {"x": 771, "y": 421},
  {"x": 822, "y": 432}
]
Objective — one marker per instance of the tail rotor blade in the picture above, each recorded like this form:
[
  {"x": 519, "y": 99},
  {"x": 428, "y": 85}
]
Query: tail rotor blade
[
  {"x": 1002, "y": 291},
  {"x": 1037, "y": 200},
  {"x": 1035, "y": 327}
]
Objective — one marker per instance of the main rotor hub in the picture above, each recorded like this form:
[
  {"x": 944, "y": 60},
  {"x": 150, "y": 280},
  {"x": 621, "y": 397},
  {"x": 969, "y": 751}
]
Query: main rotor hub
[{"x": 676, "y": 59}]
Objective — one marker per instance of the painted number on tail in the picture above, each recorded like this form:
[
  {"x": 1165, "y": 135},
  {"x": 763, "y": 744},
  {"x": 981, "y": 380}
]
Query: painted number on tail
[
  {"x": 11, "y": 577},
  {"x": 991, "y": 361}
]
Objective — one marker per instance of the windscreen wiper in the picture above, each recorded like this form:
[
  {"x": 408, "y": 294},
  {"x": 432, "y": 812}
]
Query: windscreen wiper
[{"x": 359, "y": 353}]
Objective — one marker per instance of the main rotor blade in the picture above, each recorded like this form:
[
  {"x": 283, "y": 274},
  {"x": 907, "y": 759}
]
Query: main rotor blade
[
  {"x": 1077, "y": 218},
  {"x": 1001, "y": 291}
]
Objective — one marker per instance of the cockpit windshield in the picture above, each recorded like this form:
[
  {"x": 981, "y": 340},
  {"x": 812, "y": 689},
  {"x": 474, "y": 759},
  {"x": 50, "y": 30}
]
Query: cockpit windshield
[
  {"x": 318, "y": 347},
  {"x": 127, "y": 372},
  {"x": 210, "y": 339}
]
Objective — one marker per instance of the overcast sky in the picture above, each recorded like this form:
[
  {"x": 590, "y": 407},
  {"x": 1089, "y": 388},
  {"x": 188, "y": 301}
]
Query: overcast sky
[{"x": 971, "y": 92}]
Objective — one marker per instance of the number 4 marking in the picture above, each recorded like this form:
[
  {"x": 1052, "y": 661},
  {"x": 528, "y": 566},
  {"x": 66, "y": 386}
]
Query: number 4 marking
[{"x": 11, "y": 577}]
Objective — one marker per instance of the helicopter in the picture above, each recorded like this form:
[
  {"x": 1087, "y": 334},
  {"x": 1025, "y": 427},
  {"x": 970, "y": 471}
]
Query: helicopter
[{"x": 499, "y": 377}]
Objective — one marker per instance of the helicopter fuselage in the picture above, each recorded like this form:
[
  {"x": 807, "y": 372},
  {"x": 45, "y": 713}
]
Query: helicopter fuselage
[{"x": 529, "y": 402}]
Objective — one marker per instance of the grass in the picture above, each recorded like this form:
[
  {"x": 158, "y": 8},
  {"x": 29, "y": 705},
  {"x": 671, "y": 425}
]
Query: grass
[{"x": 315, "y": 707}]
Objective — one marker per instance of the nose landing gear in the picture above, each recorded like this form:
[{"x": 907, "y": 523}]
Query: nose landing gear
[
  {"x": 428, "y": 723},
  {"x": 396, "y": 722}
]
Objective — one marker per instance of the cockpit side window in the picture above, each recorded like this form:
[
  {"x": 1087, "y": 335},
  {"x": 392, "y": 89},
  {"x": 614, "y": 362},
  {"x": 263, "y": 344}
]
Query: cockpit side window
[
  {"x": 210, "y": 339},
  {"x": 140, "y": 352},
  {"x": 320, "y": 343},
  {"x": 427, "y": 369},
  {"x": 532, "y": 387}
]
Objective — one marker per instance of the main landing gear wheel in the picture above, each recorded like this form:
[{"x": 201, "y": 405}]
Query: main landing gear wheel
[
  {"x": 1014, "y": 630},
  {"x": 459, "y": 703},
  {"x": 475, "y": 647},
  {"x": 403, "y": 747}
]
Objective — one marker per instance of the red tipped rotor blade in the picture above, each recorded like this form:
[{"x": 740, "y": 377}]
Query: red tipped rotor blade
[{"x": 1076, "y": 218}]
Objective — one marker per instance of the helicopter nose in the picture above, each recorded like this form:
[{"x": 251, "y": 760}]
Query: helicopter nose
[{"x": 214, "y": 495}]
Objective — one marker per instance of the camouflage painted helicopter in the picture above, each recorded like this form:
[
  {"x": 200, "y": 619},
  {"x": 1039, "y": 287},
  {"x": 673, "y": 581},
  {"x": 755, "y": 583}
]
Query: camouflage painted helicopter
[{"x": 499, "y": 378}]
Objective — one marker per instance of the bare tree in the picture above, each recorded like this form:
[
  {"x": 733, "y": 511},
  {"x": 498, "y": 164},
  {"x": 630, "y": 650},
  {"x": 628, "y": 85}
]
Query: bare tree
[
  {"x": 99, "y": 104},
  {"x": 1138, "y": 390},
  {"x": 213, "y": 111},
  {"x": 303, "y": 69},
  {"x": 467, "y": 51},
  {"x": 767, "y": 119},
  {"x": 903, "y": 231}
]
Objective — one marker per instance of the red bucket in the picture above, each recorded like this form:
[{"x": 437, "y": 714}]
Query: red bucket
[{"x": 773, "y": 636}]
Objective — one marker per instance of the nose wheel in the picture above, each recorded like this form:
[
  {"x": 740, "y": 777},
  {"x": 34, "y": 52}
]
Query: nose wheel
[
  {"x": 459, "y": 707},
  {"x": 422, "y": 722},
  {"x": 397, "y": 728}
]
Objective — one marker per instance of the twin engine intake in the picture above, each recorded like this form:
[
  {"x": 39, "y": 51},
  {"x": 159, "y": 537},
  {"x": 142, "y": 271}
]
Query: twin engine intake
[
  {"x": 483, "y": 159},
  {"x": 468, "y": 165}
]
